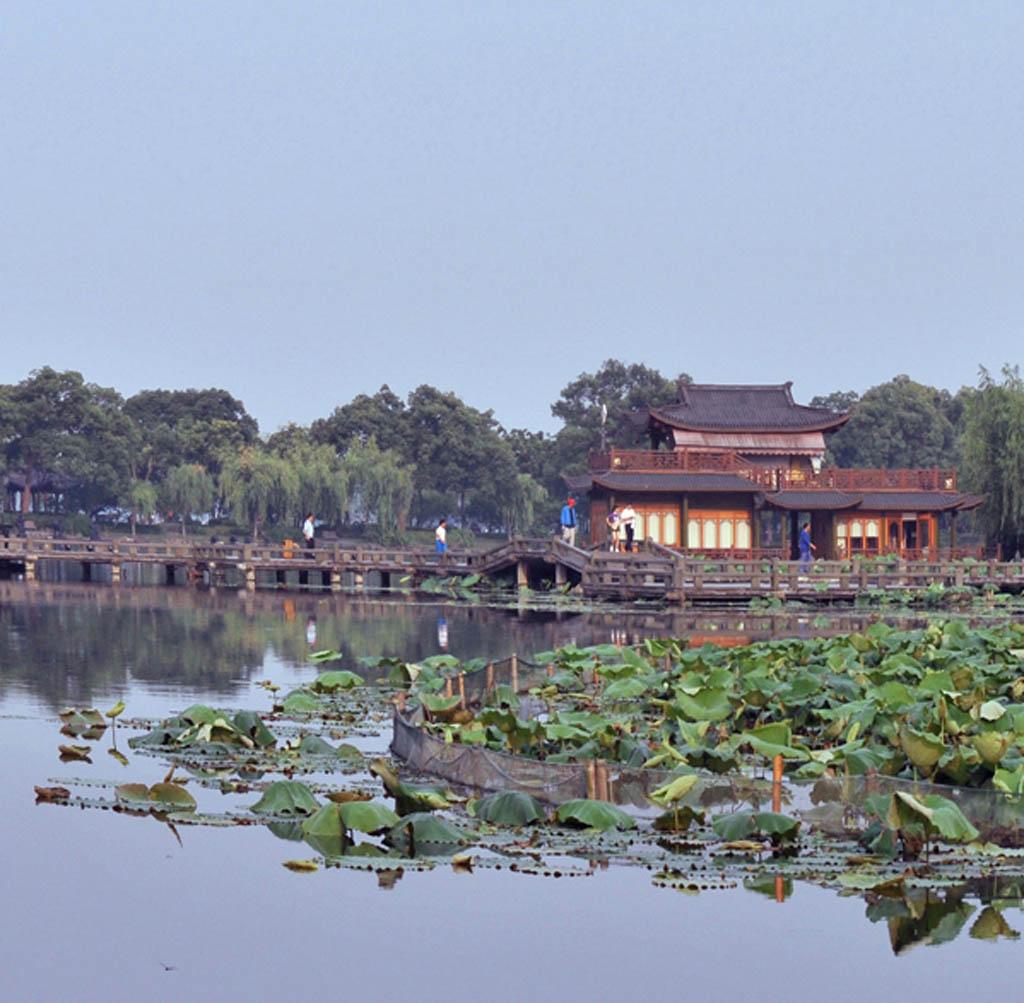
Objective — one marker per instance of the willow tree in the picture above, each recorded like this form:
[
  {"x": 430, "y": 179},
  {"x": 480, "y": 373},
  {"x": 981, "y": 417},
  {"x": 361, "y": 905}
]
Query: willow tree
[
  {"x": 187, "y": 489},
  {"x": 322, "y": 481},
  {"x": 383, "y": 484},
  {"x": 521, "y": 504},
  {"x": 140, "y": 499},
  {"x": 259, "y": 486},
  {"x": 993, "y": 450}
]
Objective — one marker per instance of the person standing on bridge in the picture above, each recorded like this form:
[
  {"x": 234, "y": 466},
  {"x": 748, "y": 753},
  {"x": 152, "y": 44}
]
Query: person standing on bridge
[
  {"x": 569, "y": 522},
  {"x": 805, "y": 548},
  {"x": 628, "y": 518},
  {"x": 308, "y": 531},
  {"x": 441, "y": 537}
]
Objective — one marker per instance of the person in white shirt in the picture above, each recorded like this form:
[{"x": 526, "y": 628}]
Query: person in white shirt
[
  {"x": 308, "y": 531},
  {"x": 441, "y": 536},
  {"x": 628, "y": 519}
]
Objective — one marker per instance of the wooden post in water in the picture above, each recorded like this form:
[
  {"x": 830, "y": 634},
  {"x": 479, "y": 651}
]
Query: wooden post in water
[
  {"x": 591, "y": 782},
  {"x": 490, "y": 679},
  {"x": 462, "y": 691},
  {"x": 515, "y": 672},
  {"x": 777, "y": 784}
]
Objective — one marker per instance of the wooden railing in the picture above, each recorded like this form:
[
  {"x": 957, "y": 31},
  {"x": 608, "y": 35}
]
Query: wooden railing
[{"x": 729, "y": 461}]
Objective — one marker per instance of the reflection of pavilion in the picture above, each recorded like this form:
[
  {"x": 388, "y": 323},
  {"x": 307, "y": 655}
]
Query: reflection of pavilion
[{"x": 736, "y": 470}]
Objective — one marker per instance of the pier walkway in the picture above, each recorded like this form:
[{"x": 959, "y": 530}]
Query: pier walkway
[{"x": 652, "y": 572}]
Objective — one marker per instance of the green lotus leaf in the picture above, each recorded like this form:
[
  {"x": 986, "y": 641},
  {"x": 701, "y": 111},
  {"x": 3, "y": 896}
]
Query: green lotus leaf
[
  {"x": 934, "y": 812},
  {"x": 249, "y": 723},
  {"x": 301, "y": 702},
  {"x": 286, "y": 797},
  {"x": 771, "y": 751},
  {"x": 1011, "y": 782},
  {"x": 325, "y": 655},
  {"x": 367, "y": 816},
  {"x": 423, "y": 832},
  {"x": 625, "y": 689},
  {"x": 339, "y": 679},
  {"x": 439, "y": 704},
  {"x": 347, "y": 751},
  {"x": 509, "y": 808},
  {"x": 744, "y": 824},
  {"x": 199, "y": 714},
  {"x": 678, "y": 819},
  {"x": 705, "y": 705},
  {"x": 921, "y": 748},
  {"x": 314, "y": 745},
  {"x": 593, "y": 814}
]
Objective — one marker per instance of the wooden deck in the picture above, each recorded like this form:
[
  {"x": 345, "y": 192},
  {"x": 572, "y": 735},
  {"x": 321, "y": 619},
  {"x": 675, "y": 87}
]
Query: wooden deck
[{"x": 654, "y": 572}]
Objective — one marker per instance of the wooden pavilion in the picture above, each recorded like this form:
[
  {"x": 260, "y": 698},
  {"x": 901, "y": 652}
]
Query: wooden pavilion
[{"x": 738, "y": 469}]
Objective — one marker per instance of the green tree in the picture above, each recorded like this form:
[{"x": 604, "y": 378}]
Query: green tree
[
  {"x": 897, "y": 424},
  {"x": 619, "y": 388},
  {"x": 187, "y": 489},
  {"x": 461, "y": 458},
  {"x": 383, "y": 486},
  {"x": 521, "y": 505},
  {"x": 259, "y": 486},
  {"x": 140, "y": 499},
  {"x": 55, "y": 421},
  {"x": 322, "y": 482},
  {"x": 993, "y": 448},
  {"x": 381, "y": 417}
]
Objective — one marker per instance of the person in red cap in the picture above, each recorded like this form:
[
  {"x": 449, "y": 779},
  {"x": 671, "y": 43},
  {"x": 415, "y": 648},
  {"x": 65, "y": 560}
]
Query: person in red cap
[{"x": 569, "y": 522}]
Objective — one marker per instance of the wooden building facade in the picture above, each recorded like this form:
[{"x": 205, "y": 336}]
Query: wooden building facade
[{"x": 738, "y": 469}]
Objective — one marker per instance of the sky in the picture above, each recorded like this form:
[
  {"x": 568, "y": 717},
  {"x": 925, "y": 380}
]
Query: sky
[{"x": 302, "y": 201}]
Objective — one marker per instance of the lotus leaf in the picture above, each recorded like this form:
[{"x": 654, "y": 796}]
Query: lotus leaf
[
  {"x": 705, "y": 705},
  {"x": 367, "y": 816},
  {"x": 286, "y": 797},
  {"x": 592, "y": 814},
  {"x": 743, "y": 824},
  {"x": 675, "y": 790},
  {"x": 992, "y": 745},
  {"x": 991, "y": 925},
  {"x": 509, "y": 808},
  {"x": 921, "y": 748},
  {"x": 340, "y": 679},
  {"x": 934, "y": 813},
  {"x": 314, "y": 745},
  {"x": 422, "y": 831},
  {"x": 325, "y": 655},
  {"x": 625, "y": 689},
  {"x": 161, "y": 796},
  {"x": 302, "y": 702},
  {"x": 249, "y": 723}
]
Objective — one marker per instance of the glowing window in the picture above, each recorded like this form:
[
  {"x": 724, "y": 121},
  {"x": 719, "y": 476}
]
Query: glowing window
[{"x": 743, "y": 534}]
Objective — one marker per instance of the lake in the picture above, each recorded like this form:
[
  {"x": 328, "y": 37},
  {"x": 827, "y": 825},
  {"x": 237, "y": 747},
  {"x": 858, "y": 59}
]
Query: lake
[{"x": 102, "y": 905}]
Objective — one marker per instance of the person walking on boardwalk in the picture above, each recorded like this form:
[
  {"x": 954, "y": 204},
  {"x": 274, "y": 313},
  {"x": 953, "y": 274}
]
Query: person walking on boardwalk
[
  {"x": 441, "y": 537},
  {"x": 308, "y": 531},
  {"x": 612, "y": 522},
  {"x": 569, "y": 522},
  {"x": 628, "y": 517},
  {"x": 806, "y": 546}
]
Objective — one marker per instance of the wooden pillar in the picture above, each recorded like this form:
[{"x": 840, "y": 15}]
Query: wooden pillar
[
  {"x": 250, "y": 577},
  {"x": 30, "y": 569},
  {"x": 335, "y": 580},
  {"x": 560, "y": 577},
  {"x": 522, "y": 575},
  {"x": 357, "y": 581},
  {"x": 115, "y": 574}
]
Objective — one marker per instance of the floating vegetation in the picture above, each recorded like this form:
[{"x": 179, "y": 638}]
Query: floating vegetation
[{"x": 868, "y": 727}]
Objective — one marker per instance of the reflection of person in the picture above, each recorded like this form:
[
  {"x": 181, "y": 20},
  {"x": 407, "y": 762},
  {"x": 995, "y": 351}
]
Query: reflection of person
[
  {"x": 441, "y": 536},
  {"x": 307, "y": 531},
  {"x": 806, "y": 547},
  {"x": 311, "y": 631},
  {"x": 442, "y": 633},
  {"x": 569, "y": 522},
  {"x": 628, "y": 517},
  {"x": 612, "y": 522}
]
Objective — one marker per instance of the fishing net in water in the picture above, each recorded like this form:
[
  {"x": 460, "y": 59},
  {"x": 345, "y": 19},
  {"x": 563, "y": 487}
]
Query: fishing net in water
[{"x": 829, "y": 804}]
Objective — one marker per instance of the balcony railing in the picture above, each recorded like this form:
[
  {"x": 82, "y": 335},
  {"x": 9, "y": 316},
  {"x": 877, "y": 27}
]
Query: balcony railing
[{"x": 771, "y": 479}]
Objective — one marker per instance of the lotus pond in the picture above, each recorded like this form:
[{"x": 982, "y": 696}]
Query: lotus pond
[{"x": 219, "y": 813}]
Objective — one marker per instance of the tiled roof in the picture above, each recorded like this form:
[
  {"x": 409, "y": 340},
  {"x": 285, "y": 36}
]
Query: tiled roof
[
  {"x": 711, "y": 407},
  {"x": 914, "y": 501},
  {"x": 813, "y": 500},
  {"x": 654, "y": 481}
]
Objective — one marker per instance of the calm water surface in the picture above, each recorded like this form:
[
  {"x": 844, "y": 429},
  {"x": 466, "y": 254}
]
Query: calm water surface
[{"x": 101, "y": 906}]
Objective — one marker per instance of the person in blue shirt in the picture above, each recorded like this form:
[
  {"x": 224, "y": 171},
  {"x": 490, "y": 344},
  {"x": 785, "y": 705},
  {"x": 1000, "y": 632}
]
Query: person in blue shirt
[
  {"x": 806, "y": 547},
  {"x": 569, "y": 522}
]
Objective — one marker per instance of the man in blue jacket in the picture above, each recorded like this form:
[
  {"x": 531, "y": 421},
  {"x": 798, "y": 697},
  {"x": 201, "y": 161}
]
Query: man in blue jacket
[{"x": 569, "y": 522}]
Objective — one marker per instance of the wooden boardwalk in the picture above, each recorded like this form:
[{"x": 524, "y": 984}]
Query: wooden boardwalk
[{"x": 653, "y": 572}]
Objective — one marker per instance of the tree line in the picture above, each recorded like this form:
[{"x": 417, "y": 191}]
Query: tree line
[{"x": 395, "y": 464}]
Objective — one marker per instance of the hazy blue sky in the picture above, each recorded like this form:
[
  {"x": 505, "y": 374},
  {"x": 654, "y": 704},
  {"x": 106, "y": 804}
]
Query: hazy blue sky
[{"x": 300, "y": 201}]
